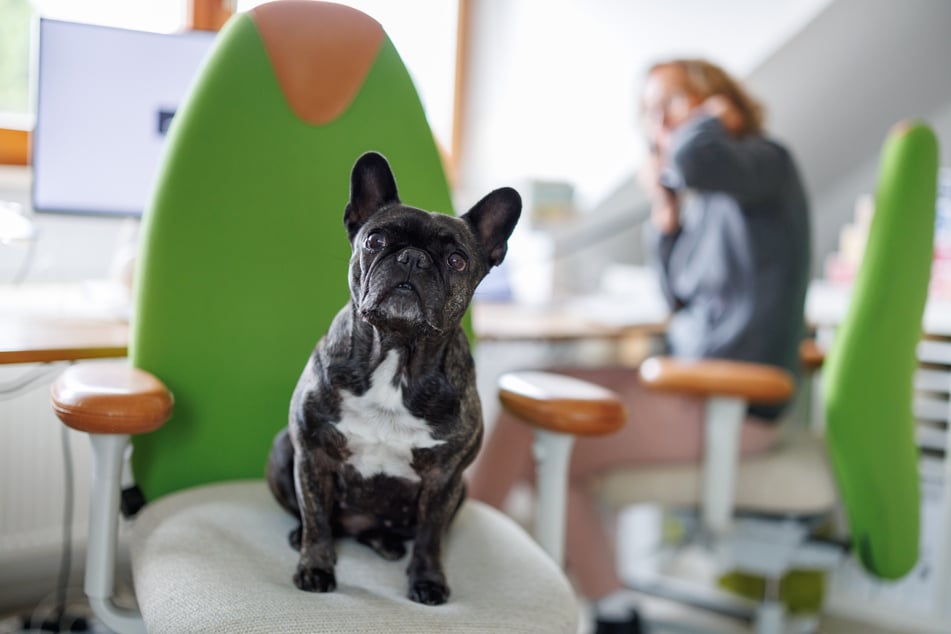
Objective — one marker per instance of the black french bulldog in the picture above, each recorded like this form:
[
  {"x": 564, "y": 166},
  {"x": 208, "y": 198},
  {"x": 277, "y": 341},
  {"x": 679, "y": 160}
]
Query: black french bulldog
[{"x": 386, "y": 416}]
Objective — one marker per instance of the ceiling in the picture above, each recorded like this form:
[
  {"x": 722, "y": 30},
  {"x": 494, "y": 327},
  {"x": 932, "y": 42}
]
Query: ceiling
[{"x": 838, "y": 85}]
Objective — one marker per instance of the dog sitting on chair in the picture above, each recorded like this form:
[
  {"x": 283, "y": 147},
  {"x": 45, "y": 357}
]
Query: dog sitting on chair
[{"x": 385, "y": 416}]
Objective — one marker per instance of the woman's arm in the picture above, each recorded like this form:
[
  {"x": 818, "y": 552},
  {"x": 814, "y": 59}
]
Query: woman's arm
[
  {"x": 665, "y": 212},
  {"x": 660, "y": 250},
  {"x": 706, "y": 156},
  {"x": 665, "y": 223}
]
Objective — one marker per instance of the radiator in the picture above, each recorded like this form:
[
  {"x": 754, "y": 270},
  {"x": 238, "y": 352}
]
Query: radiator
[{"x": 32, "y": 472}]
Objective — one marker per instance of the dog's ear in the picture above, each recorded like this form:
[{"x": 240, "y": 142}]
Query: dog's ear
[
  {"x": 372, "y": 186},
  {"x": 493, "y": 219}
]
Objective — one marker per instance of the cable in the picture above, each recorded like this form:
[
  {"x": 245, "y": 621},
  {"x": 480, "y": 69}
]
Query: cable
[
  {"x": 67, "y": 560},
  {"x": 13, "y": 389},
  {"x": 59, "y": 619}
]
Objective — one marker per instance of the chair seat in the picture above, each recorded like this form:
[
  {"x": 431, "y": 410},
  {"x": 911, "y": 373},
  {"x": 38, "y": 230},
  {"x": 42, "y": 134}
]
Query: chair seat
[
  {"x": 792, "y": 478},
  {"x": 216, "y": 559}
]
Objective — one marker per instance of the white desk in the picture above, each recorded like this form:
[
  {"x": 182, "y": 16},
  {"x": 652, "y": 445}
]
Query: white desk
[
  {"x": 494, "y": 321},
  {"x": 612, "y": 315}
]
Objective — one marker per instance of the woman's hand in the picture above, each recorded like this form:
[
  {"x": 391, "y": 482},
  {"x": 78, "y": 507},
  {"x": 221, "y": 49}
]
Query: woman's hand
[
  {"x": 665, "y": 213},
  {"x": 723, "y": 109}
]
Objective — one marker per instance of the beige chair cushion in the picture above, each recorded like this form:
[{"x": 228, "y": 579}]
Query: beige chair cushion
[
  {"x": 216, "y": 559},
  {"x": 792, "y": 478}
]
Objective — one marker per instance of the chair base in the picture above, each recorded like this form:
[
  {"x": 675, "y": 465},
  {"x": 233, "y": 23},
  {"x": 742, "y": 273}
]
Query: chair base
[{"x": 765, "y": 573}]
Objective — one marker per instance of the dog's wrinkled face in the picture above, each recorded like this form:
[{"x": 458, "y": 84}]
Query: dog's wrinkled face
[{"x": 413, "y": 272}]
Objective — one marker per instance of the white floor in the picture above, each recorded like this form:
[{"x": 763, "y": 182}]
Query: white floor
[
  {"x": 640, "y": 532},
  {"x": 662, "y": 617},
  {"x": 667, "y": 617}
]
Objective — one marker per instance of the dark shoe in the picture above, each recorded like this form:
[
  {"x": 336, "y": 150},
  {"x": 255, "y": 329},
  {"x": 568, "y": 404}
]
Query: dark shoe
[{"x": 631, "y": 625}]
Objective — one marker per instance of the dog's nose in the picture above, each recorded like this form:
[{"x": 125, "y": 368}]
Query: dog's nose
[{"x": 411, "y": 256}]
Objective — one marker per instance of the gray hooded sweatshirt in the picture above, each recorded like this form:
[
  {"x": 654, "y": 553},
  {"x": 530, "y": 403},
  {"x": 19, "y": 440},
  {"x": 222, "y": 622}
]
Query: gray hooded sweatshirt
[{"x": 735, "y": 273}]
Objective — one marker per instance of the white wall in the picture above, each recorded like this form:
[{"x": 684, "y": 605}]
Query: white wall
[
  {"x": 838, "y": 85},
  {"x": 552, "y": 89},
  {"x": 553, "y": 96},
  {"x": 833, "y": 207}
]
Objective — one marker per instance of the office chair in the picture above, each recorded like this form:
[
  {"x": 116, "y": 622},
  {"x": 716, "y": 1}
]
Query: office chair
[
  {"x": 868, "y": 373},
  {"x": 867, "y": 386},
  {"x": 243, "y": 265}
]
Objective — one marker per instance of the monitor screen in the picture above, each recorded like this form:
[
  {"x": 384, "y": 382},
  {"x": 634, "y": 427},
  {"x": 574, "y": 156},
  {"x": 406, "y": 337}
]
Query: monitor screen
[{"x": 104, "y": 99}]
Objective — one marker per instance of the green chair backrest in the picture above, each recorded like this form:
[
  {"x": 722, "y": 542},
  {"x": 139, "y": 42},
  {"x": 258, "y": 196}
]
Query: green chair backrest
[
  {"x": 867, "y": 379},
  {"x": 244, "y": 254}
]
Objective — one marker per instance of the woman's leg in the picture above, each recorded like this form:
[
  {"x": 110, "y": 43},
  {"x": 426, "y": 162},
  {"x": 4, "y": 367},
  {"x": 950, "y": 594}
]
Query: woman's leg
[
  {"x": 661, "y": 428},
  {"x": 504, "y": 460}
]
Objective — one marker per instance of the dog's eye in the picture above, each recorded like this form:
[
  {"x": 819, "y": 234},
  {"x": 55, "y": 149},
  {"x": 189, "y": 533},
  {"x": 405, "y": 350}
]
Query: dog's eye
[
  {"x": 375, "y": 241},
  {"x": 458, "y": 262}
]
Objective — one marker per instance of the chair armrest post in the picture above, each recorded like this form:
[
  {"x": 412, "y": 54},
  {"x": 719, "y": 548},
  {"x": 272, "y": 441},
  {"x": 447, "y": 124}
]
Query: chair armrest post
[
  {"x": 723, "y": 417},
  {"x": 558, "y": 407},
  {"x": 727, "y": 386},
  {"x": 108, "y": 454},
  {"x": 552, "y": 452}
]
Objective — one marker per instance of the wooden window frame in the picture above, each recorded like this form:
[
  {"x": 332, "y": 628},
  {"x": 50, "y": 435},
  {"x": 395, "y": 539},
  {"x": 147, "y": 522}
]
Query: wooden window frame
[
  {"x": 204, "y": 15},
  {"x": 14, "y": 146}
]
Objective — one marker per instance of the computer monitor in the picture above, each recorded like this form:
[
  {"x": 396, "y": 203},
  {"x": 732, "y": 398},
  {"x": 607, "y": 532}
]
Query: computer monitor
[{"x": 104, "y": 99}]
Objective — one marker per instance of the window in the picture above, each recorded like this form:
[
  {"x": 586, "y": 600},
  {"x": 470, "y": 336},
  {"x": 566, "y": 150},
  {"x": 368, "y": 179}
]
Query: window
[
  {"x": 15, "y": 62},
  {"x": 15, "y": 116},
  {"x": 16, "y": 32}
]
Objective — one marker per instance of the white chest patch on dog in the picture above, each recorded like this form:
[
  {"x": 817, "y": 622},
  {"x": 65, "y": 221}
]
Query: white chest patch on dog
[{"x": 381, "y": 433}]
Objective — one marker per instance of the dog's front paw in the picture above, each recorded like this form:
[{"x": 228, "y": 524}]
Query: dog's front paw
[
  {"x": 312, "y": 579},
  {"x": 429, "y": 592}
]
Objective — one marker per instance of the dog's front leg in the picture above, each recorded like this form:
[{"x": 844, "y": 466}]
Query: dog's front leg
[
  {"x": 315, "y": 496},
  {"x": 438, "y": 501}
]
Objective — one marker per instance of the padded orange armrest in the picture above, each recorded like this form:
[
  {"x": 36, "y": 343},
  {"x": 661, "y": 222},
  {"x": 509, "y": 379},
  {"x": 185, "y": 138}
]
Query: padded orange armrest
[
  {"x": 111, "y": 398},
  {"x": 753, "y": 382},
  {"x": 561, "y": 403}
]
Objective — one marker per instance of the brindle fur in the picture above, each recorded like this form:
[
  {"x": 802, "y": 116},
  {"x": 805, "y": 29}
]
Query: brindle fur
[{"x": 434, "y": 370}]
